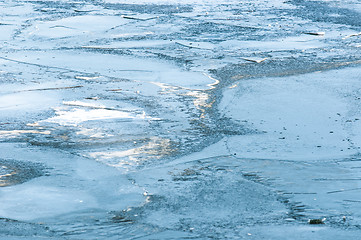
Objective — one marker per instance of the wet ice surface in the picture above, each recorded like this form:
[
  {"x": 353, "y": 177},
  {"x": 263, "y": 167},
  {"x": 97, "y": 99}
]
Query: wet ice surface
[{"x": 179, "y": 119}]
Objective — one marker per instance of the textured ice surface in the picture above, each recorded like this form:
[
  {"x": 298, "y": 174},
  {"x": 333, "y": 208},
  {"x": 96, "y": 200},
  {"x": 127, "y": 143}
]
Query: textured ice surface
[
  {"x": 309, "y": 126},
  {"x": 70, "y": 184},
  {"x": 297, "y": 118},
  {"x": 179, "y": 119},
  {"x": 78, "y": 25}
]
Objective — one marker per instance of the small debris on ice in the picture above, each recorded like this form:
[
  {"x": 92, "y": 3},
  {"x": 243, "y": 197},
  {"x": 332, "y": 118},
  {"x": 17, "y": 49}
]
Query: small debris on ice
[
  {"x": 315, "y": 33},
  {"x": 317, "y": 221},
  {"x": 255, "y": 60}
]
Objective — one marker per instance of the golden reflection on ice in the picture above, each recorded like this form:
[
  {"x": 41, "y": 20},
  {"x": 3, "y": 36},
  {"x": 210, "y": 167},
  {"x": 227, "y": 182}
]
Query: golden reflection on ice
[
  {"x": 93, "y": 133},
  {"x": 233, "y": 86},
  {"x": 4, "y": 173},
  {"x": 156, "y": 148},
  {"x": 202, "y": 97},
  {"x": 17, "y": 133},
  {"x": 166, "y": 88},
  {"x": 7, "y": 174},
  {"x": 212, "y": 85},
  {"x": 201, "y": 101}
]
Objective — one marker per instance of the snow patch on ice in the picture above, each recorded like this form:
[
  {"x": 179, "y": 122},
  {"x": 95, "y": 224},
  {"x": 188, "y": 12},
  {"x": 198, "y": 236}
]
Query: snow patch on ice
[{"x": 75, "y": 116}]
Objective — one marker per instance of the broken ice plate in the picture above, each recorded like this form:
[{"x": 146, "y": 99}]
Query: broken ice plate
[
  {"x": 76, "y": 25},
  {"x": 130, "y": 44}
]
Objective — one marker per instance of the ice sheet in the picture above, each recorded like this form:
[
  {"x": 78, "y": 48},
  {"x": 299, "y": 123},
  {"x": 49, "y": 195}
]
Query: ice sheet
[{"x": 179, "y": 119}]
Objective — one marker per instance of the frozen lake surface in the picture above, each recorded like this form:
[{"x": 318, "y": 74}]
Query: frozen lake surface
[{"x": 160, "y": 119}]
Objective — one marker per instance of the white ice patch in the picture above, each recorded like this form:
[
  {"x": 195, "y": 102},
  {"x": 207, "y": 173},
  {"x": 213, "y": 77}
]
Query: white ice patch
[
  {"x": 159, "y": 1},
  {"x": 122, "y": 67},
  {"x": 132, "y": 34},
  {"x": 132, "y": 44},
  {"x": 25, "y": 101},
  {"x": 75, "y": 116},
  {"x": 84, "y": 104},
  {"x": 198, "y": 45},
  {"x": 302, "y": 42},
  {"x": 78, "y": 25},
  {"x": 25, "y": 202}
]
